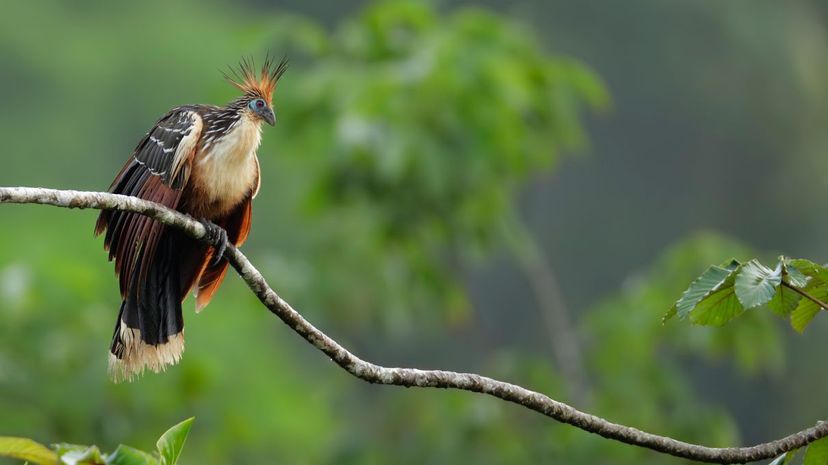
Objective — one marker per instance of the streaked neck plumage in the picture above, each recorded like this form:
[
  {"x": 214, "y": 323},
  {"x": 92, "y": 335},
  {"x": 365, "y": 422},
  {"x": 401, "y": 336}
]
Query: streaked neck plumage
[{"x": 225, "y": 169}]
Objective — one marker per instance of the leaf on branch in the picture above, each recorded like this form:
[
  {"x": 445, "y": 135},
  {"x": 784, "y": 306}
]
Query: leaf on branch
[
  {"x": 792, "y": 275},
  {"x": 719, "y": 307},
  {"x": 809, "y": 269},
  {"x": 785, "y": 458},
  {"x": 756, "y": 284},
  {"x": 711, "y": 280},
  {"x": 817, "y": 453},
  {"x": 784, "y": 301},
  {"x": 807, "y": 309},
  {"x": 28, "y": 450}
]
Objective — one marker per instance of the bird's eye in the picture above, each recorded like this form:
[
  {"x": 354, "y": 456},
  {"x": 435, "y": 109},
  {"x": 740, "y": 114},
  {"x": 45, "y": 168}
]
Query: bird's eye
[{"x": 256, "y": 104}]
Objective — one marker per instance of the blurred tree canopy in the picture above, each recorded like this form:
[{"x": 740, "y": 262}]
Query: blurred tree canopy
[
  {"x": 416, "y": 131},
  {"x": 405, "y": 135}
]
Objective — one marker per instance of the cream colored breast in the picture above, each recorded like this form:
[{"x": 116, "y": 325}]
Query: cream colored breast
[{"x": 227, "y": 169}]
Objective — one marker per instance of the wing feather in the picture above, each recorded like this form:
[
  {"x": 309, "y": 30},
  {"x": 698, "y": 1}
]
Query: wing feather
[{"x": 158, "y": 171}]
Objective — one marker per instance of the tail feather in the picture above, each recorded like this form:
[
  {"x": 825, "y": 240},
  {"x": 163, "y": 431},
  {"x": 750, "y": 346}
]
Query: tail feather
[{"x": 149, "y": 333}]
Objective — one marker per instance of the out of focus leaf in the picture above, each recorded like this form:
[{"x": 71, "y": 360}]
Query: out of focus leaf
[
  {"x": 756, "y": 284},
  {"x": 785, "y": 458},
  {"x": 71, "y": 454},
  {"x": 670, "y": 314},
  {"x": 125, "y": 455},
  {"x": 817, "y": 453},
  {"x": 172, "y": 441},
  {"x": 26, "y": 449}
]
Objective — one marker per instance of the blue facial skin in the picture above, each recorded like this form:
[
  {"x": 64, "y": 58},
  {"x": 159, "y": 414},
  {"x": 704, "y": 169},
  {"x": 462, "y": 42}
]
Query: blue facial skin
[{"x": 260, "y": 107}]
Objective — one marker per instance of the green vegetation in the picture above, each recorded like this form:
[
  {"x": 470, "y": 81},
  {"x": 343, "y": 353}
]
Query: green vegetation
[
  {"x": 169, "y": 447},
  {"x": 399, "y": 198},
  {"x": 796, "y": 289}
]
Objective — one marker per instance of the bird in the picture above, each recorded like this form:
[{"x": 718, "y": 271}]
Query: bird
[{"x": 200, "y": 160}]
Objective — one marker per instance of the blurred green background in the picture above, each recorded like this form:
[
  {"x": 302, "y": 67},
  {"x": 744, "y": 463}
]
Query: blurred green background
[{"x": 519, "y": 189}]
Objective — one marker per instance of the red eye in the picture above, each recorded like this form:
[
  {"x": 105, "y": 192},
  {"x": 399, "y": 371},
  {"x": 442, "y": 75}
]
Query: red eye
[{"x": 260, "y": 103}]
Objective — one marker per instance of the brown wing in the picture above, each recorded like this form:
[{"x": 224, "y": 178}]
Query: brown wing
[
  {"x": 237, "y": 225},
  {"x": 158, "y": 171}
]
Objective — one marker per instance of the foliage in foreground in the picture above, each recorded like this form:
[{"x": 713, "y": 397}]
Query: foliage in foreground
[
  {"x": 168, "y": 449},
  {"x": 793, "y": 288}
]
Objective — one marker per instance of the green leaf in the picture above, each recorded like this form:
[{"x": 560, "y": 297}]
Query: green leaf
[
  {"x": 125, "y": 455},
  {"x": 817, "y": 453},
  {"x": 756, "y": 284},
  {"x": 791, "y": 275},
  {"x": 71, "y": 454},
  {"x": 711, "y": 280},
  {"x": 806, "y": 310},
  {"x": 718, "y": 308},
  {"x": 785, "y": 458},
  {"x": 784, "y": 301},
  {"x": 670, "y": 314},
  {"x": 171, "y": 442},
  {"x": 28, "y": 450},
  {"x": 810, "y": 269}
]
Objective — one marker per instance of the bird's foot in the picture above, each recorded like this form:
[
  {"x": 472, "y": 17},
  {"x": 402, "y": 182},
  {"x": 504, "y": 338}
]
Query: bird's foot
[{"x": 217, "y": 237}]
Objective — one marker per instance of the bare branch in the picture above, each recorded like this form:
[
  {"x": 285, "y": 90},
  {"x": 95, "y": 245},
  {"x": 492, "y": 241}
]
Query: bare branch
[{"x": 411, "y": 377}]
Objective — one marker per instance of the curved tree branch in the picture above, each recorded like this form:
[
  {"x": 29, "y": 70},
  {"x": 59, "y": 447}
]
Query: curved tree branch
[{"x": 411, "y": 377}]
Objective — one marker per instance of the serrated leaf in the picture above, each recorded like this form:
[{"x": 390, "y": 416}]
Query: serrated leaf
[
  {"x": 791, "y": 275},
  {"x": 810, "y": 269},
  {"x": 718, "y": 308},
  {"x": 171, "y": 442},
  {"x": 817, "y": 453},
  {"x": 28, "y": 450},
  {"x": 125, "y": 455},
  {"x": 670, "y": 314},
  {"x": 784, "y": 301},
  {"x": 806, "y": 310},
  {"x": 756, "y": 284},
  {"x": 711, "y": 280}
]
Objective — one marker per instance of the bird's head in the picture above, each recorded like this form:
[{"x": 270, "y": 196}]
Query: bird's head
[{"x": 258, "y": 86}]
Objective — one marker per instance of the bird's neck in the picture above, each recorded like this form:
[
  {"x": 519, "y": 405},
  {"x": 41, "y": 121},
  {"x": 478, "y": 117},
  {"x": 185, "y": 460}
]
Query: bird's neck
[
  {"x": 233, "y": 141},
  {"x": 225, "y": 170}
]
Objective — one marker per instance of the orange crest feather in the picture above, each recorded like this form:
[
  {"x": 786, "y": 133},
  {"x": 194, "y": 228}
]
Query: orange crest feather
[{"x": 260, "y": 82}]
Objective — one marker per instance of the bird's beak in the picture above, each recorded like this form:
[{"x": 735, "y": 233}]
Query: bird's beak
[{"x": 269, "y": 116}]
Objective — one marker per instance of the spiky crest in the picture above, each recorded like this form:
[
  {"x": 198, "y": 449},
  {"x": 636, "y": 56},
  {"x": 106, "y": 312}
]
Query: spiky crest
[{"x": 246, "y": 78}]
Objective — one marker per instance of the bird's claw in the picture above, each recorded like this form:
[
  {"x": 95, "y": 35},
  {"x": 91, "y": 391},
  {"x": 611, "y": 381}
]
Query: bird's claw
[{"x": 217, "y": 237}]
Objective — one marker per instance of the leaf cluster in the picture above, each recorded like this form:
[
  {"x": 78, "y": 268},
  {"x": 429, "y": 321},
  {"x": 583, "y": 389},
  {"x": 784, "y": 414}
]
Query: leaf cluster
[
  {"x": 795, "y": 289},
  {"x": 168, "y": 450}
]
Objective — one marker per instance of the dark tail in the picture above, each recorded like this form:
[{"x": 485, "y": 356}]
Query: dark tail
[{"x": 149, "y": 333}]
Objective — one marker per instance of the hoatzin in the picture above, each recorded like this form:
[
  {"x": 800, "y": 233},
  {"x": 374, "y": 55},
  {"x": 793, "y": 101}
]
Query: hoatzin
[{"x": 200, "y": 160}]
